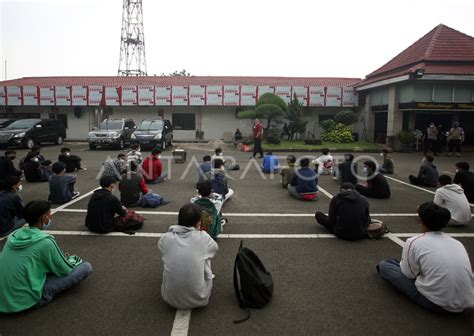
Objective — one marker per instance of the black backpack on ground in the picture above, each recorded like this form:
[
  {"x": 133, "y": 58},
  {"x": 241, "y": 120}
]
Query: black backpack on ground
[{"x": 253, "y": 284}]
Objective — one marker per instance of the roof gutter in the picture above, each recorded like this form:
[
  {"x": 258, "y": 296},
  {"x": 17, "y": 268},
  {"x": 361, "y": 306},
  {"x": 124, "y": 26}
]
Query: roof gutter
[{"x": 383, "y": 82}]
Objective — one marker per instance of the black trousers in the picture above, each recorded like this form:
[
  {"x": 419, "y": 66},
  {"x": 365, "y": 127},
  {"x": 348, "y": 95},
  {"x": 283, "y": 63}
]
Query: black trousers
[
  {"x": 455, "y": 143},
  {"x": 324, "y": 221},
  {"x": 257, "y": 147},
  {"x": 415, "y": 180}
]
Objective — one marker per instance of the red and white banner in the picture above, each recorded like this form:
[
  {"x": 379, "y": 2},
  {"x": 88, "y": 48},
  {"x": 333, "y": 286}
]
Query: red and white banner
[
  {"x": 129, "y": 96},
  {"x": 333, "y": 96},
  {"x": 79, "y": 95},
  {"x": 3, "y": 96},
  {"x": 317, "y": 95},
  {"x": 284, "y": 92},
  {"x": 180, "y": 95},
  {"x": 248, "y": 95},
  {"x": 95, "y": 95},
  {"x": 112, "y": 97},
  {"x": 163, "y": 95},
  {"x": 231, "y": 95},
  {"x": 46, "y": 96},
  {"x": 197, "y": 95},
  {"x": 146, "y": 95},
  {"x": 301, "y": 93},
  {"x": 30, "y": 95},
  {"x": 350, "y": 98},
  {"x": 214, "y": 95},
  {"x": 63, "y": 95},
  {"x": 265, "y": 89},
  {"x": 14, "y": 97}
]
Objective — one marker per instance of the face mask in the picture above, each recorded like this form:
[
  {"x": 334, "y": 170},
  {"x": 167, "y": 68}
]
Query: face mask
[
  {"x": 457, "y": 170},
  {"x": 46, "y": 226},
  {"x": 20, "y": 188},
  {"x": 68, "y": 153},
  {"x": 366, "y": 170},
  {"x": 381, "y": 154},
  {"x": 35, "y": 159},
  {"x": 423, "y": 161}
]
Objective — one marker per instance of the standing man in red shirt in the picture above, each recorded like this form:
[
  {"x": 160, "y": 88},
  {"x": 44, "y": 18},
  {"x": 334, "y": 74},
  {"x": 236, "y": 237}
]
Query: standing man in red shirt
[
  {"x": 257, "y": 138},
  {"x": 152, "y": 168}
]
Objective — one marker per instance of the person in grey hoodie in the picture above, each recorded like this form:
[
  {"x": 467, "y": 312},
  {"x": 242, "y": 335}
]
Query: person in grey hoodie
[
  {"x": 451, "y": 196},
  {"x": 428, "y": 174},
  {"x": 187, "y": 254}
]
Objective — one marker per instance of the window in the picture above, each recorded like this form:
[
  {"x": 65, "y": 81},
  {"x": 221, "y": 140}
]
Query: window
[{"x": 184, "y": 121}]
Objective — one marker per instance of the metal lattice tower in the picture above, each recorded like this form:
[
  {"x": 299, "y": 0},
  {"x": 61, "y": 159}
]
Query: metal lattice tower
[{"x": 132, "y": 42}]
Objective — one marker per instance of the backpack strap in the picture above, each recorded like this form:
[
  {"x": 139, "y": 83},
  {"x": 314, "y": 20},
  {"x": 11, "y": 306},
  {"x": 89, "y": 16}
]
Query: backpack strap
[{"x": 242, "y": 304}]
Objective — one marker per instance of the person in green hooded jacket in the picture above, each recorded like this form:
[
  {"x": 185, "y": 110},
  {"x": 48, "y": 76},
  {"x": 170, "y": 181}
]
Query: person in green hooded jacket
[{"x": 33, "y": 267}]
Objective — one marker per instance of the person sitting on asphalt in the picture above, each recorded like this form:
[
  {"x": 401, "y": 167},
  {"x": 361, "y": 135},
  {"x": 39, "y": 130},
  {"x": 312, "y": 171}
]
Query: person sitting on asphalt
[
  {"x": 134, "y": 154},
  {"x": 115, "y": 167},
  {"x": 204, "y": 167},
  {"x": 11, "y": 206},
  {"x": 451, "y": 196},
  {"x": 427, "y": 175},
  {"x": 31, "y": 169},
  {"x": 37, "y": 151},
  {"x": 218, "y": 177},
  {"x": 7, "y": 168},
  {"x": 348, "y": 216},
  {"x": 34, "y": 268},
  {"x": 377, "y": 186},
  {"x": 61, "y": 186},
  {"x": 304, "y": 183},
  {"x": 287, "y": 172},
  {"x": 270, "y": 164},
  {"x": 204, "y": 190},
  {"x": 103, "y": 206},
  {"x": 435, "y": 271},
  {"x": 45, "y": 170},
  {"x": 323, "y": 164},
  {"x": 72, "y": 162},
  {"x": 465, "y": 179},
  {"x": 387, "y": 165},
  {"x": 187, "y": 253},
  {"x": 153, "y": 168},
  {"x": 132, "y": 187},
  {"x": 347, "y": 171},
  {"x": 218, "y": 154}
]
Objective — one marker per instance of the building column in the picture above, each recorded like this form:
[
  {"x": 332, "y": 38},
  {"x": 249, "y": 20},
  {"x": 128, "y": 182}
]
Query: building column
[
  {"x": 369, "y": 120},
  {"x": 394, "y": 117}
]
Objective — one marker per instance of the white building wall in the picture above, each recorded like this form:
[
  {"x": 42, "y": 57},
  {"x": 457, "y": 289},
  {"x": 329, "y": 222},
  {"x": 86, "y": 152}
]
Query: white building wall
[{"x": 217, "y": 120}]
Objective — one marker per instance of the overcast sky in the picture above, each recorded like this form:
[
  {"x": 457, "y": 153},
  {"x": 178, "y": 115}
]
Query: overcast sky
[{"x": 301, "y": 38}]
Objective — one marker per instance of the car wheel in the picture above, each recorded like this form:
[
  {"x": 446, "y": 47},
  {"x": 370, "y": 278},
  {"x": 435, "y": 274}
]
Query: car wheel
[
  {"x": 59, "y": 140},
  {"x": 29, "y": 143},
  {"x": 91, "y": 146},
  {"x": 121, "y": 144}
]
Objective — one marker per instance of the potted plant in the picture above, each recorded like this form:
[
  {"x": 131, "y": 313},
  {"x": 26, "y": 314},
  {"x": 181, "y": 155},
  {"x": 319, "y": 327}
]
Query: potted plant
[{"x": 406, "y": 138}]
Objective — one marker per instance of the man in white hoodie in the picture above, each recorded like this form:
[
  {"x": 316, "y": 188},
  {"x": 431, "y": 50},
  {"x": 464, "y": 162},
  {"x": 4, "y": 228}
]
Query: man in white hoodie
[
  {"x": 451, "y": 196},
  {"x": 187, "y": 254}
]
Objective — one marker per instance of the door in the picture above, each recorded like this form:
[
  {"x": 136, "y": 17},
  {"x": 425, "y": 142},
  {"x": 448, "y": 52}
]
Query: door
[{"x": 129, "y": 128}]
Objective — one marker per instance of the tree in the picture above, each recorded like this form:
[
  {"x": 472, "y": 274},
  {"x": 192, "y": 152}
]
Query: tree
[
  {"x": 295, "y": 117},
  {"x": 269, "y": 106},
  {"x": 176, "y": 73},
  {"x": 346, "y": 117}
]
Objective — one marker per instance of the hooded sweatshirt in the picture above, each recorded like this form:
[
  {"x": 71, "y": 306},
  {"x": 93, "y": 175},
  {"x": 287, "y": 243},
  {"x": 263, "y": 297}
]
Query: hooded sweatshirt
[
  {"x": 101, "y": 211},
  {"x": 428, "y": 174},
  {"x": 187, "y": 274},
  {"x": 451, "y": 197},
  {"x": 27, "y": 258},
  {"x": 349, "y": 215}
]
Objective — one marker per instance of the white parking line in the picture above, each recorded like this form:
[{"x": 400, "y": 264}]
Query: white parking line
[
  {"x": 325, "y": 192},
  {"x": 395, "y": 239},
  {"x": 410, "y": 185},
  {"x": 181, "y": 323},
  {"x": 62, "y": 207}
]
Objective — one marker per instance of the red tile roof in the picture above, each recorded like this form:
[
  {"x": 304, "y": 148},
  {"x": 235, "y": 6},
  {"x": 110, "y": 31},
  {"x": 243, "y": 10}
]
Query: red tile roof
[
  {"x": 443, "y": 50},
  {"x": 193, "y": 80}
]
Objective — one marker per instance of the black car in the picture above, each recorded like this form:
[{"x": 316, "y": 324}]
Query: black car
[
  {"x": 30, "y": 132},
  {"x": 112, "y": 132},
  {"x": 5, "y": 122},
  {"x": 152, "y": 133}
]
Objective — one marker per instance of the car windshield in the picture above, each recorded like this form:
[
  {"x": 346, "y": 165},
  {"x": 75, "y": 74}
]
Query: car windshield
[
  {"x": 20, "y": 124},
  {"x": 150, "y": 125},
  {"x": 107, "y": 125}
]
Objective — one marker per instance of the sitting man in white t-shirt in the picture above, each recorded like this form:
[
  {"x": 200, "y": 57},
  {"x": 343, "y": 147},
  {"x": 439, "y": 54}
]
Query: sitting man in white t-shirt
[
  {"x": 435, "y": 271},
  {"x": 324, "y": 163},
  {"x": 451, "y": 196}
]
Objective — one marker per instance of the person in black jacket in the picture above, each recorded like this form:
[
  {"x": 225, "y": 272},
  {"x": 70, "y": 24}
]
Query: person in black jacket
[
  {"x": 72, "y": 162},
  {"x": 103, "y": 206},
  {"x": 132, "y": 186},
  {"x": 347, "y": 170},
  {"x": 7, "y": 168},
  {"x": 348, "y": 216},
  {"x": 427, "y": 175},
  {"x": 11, "y": 206},
  {"x": 465, "y": 179},
  {"x": 377, "y": 186},
  {"x": 31, "y": 168}
]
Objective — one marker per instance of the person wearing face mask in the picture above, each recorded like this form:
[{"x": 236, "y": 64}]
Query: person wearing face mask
[
  {"x": 431, "y": 139},
  {"x": 34, "y": 268},
  {"x": 152, "y": 168},
  {"x": 72, "y": 162},
  {"x": 11, "y": 206},
  {"x": 377, "y": 186},
  {"x": 103, "y": 208},
  {"x": 7, "y": 168},
  {"x": 31, "y": 168},
  {"x": 387, "y": 165},
  {"x": 427, "y": 175},
  {"x": 115, "y": 167}
]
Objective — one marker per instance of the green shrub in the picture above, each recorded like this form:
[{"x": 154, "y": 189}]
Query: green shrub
[
  {"x": 328, "y": 125},
  {"x": 247, "y": 114},
  {"x": 340, "y": 134},
  {"x": 346, "y": 117},
  {"x": 406, "y": 137},
  {"x": 270, "y": 98},
  {"x": 272, "y": 135}
]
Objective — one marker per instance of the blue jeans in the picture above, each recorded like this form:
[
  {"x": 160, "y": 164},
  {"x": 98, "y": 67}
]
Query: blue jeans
[
  {"x": 390, "y": 270},
  {"x": 160, "y": 178},
  {"x": 55, "y": 285}
]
